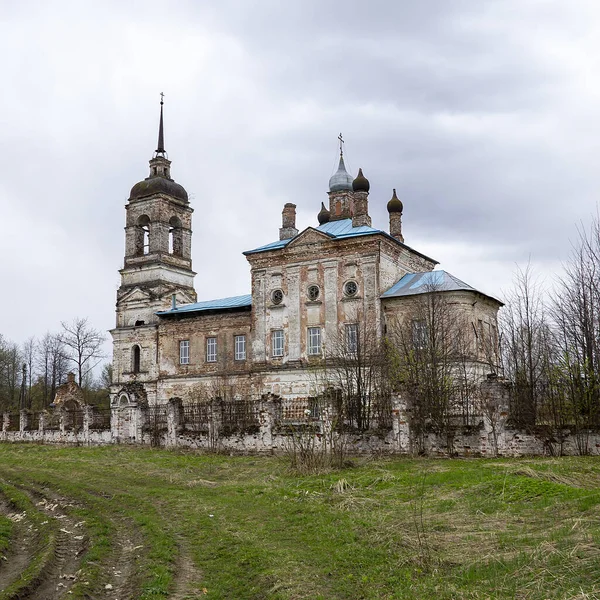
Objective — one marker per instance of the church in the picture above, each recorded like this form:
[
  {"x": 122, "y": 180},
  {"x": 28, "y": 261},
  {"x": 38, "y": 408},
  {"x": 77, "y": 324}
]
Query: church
[{"x": 312, "y": 292}]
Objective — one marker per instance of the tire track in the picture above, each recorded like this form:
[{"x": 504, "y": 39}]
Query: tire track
[
  {"x": 62, "y": 570},
  {"x": 23, "y": 544},
  {"x": 118, "y": 576},
  {"x": 187, "y": 577}
]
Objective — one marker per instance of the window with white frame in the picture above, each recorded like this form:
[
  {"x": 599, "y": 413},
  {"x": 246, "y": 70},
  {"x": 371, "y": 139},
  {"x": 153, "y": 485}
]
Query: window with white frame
[
  {"x": 277, "y": 342},
  {"x": 184, "y": 352},
  {"x": 419, "y": 334},
  {"x": 211, "y": 349},
  {"x": 314, "y": 341},
  {"x": 352, "y": 338},
  {"x": 240, "y": 347}
]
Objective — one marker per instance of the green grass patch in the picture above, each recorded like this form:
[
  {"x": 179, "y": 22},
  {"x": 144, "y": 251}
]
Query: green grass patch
[
  {"x": 6, "y": 529},
  {"x": 390, "y": 528}
]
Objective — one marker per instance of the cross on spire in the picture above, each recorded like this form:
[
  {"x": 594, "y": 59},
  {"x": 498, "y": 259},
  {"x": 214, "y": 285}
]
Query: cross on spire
[{"x": 341, "y": 139}]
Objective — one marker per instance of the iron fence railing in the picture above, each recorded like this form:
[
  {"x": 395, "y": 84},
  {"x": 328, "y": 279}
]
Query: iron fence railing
[
  {"x": 156, "y": 418},
  {"x": 73, "y": 420},
  {"x": 195, "y": 417},
  {"x": 239, "y": 416},
  {"x": 14, "y": 422},
  {"x": 100, "y": 418},
  {"x": 52, "y": 421},
  {"x": 33, "y": 422},
  {"x": 292, "y": 411}
]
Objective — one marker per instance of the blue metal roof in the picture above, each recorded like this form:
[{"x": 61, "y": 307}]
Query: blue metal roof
[
  {"x": 341, "y": 229},
  {"x": 429, "y": 281},
  {"x": 220, "y": 304}
]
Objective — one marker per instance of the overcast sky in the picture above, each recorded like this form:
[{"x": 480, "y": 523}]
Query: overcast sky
[{"x": 484, "y": 115}]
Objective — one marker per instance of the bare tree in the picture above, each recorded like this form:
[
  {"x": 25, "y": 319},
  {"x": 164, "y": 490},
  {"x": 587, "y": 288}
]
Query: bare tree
[
  {"x": 52, "y": 366},
  {"x": 356, "y": 367},
  {"x": 576, "y": 312},
  {"x": 526, "y": 344},
  {"x": 106, "y": 375},
  {"x": 434, "y": 364},
  {"x": 28, "y": 351},
  {"x": 10, "y": 374},
  {"x": 84, "y": 346}
]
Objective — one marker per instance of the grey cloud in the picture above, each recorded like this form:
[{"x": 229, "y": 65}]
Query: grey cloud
[{"x": 480, "y": 114}]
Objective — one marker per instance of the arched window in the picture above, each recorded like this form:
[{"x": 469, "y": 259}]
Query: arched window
[
  {"x": 175, "y": 237},
  {"x": 142, "y": 235},
  {"x": 135, "y": 359}
]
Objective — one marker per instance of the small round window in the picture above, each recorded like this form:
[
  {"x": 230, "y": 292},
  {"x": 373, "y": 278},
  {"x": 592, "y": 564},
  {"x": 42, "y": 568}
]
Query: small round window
[
  {"x": 277, "y": 297},
  {"x": 313, "y": 292},
  {"x": 350, "y": 288}
]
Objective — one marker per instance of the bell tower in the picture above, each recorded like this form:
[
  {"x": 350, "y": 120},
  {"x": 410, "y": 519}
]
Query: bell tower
[{"x": 158, "y": 244}]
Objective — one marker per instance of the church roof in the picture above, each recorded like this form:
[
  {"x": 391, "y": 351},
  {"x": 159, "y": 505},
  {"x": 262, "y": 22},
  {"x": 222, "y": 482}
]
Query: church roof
[
  {"x": 430, "y": 281},
  {"x": 220, "y": 304},
  {"x": 339, "y": 230}
]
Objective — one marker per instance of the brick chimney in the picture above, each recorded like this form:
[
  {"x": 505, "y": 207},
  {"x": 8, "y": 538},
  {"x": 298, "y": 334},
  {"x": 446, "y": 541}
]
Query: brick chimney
[
  {"x": 395, "y": 209},
  {"x": 360, "y": 187},
  {"x": 288, "y": 222}
]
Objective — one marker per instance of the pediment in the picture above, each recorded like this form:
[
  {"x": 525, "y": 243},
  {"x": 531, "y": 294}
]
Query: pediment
[
  {"x": 181, "y": 296},
  {"x": 309, "y": 236},
  {"x": 134, "y": 295}
]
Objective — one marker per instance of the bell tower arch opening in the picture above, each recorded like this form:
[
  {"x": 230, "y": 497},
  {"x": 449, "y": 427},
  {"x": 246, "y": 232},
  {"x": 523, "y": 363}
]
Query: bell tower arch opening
[
  {"x": 142, "y": 235},
  {"x": 175, "y": 237}
]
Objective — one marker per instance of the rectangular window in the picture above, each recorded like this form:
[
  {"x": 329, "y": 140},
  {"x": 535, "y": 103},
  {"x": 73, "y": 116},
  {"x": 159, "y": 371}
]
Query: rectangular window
[
  {"x": 240, "y": 347},
  {"x": 277, "y": 342},
  {"x": 211, "y": 349},
  {"x": 184, "y": 352},
  {"x": 314, "y": 341},
  {"x": 419, "y": 334},
  {"x": 352, "y": 338}
]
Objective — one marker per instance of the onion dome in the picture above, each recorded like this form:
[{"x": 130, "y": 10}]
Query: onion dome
[
  {"x": 155, "y": 185},
  {"x": 361, "y": 183},
  {"x": 341, "y": 180},
  {"x": 324, "y": 215},
  {"x": 394, "y": 205}
]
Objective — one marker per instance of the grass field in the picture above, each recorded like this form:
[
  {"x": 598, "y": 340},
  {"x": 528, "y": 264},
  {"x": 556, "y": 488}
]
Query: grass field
[{"x": 120, "y": 522}]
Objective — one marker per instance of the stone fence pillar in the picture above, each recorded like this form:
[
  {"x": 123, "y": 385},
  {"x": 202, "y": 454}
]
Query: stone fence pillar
[
  {"x": 23, "y": 420},
  {"x": 62, "y": 420},
  {"x": 215, "y": 415},
  {"x": 327, "y": 417},
  {"x": 43, "y": 416},
  {"x": 400, "y": 425},
  {"x": 266, "y": 420},
  {"x": 114, "y": 424},
  {"x": 88, "y": 418},
  {"x": 174, "y": 412},
  {"x": 495, "y": 405},
  {"x": 4, "y": 423}
]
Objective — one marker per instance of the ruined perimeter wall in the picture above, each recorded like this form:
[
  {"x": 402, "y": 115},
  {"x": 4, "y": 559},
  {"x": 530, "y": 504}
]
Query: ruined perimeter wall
[{"x": 270, "y": 425}]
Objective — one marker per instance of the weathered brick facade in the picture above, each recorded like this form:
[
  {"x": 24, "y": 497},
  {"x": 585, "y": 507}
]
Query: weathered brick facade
[{"x": 306, "y": 288}]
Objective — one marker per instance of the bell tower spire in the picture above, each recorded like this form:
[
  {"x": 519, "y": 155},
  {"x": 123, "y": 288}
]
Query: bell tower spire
[
  {"x": 160, "y": 150},
  {"x": 158, "y": 243}
]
